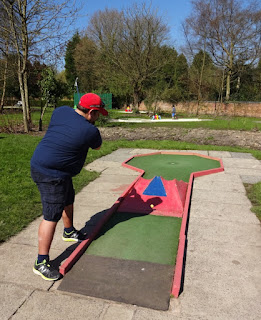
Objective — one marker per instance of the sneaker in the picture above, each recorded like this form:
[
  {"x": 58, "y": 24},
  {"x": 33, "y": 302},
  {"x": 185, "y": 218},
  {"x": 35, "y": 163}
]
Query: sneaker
[
  {"x": 73, "y": 236},
  {"x": 46, "y": 271}
]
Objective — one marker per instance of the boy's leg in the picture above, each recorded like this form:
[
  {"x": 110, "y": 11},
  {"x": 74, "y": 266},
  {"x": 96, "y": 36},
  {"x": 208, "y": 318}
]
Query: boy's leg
[
  {"x": 67, "y": 216},
  {"x": 70, "y": 234},
  {"x": 45, "y": 236}
]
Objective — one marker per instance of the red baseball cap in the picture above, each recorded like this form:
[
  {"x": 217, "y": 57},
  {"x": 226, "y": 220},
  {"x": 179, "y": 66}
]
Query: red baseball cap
[{"x": 93, "y": 101}]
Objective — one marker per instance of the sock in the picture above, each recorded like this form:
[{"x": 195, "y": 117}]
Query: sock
[
  {"x": 69, "y": 230},
  {"x": 41, "y": 258}
]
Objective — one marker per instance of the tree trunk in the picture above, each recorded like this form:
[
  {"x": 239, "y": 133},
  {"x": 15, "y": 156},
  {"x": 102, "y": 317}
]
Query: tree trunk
[
  {"x": 22, "y": 91},
  {"x": 28, "y": 109},
  {"x": 200, "y": 80},
  {"x": 4, "y": 85},
  {"x": 4, "y": 76},
  {"x": 136, "y": 97},
  {"x": 21, "y": 46},
  {"x": 228, "y": 85},
  {"x": 42, "y": 114}
]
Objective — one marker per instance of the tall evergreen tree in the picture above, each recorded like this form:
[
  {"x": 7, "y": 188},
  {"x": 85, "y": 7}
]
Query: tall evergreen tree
[
  {"x": 70, "y": 68},
  {"x": 203, "y": 83}
]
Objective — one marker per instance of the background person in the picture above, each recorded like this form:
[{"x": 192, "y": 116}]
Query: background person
[
  {"x": 173, "y": 114},
  {"x": 59, "y": 156}
]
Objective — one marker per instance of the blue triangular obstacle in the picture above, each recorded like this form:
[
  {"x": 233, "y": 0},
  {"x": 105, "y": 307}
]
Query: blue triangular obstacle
[{"x": 155, "y": 188}]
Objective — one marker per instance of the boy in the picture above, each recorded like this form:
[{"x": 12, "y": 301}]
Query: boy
[{"x": 58, "y": 157}]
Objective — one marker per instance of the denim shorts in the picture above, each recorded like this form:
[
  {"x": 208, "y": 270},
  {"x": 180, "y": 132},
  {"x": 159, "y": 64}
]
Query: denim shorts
[{"x": 56, "y": 193}]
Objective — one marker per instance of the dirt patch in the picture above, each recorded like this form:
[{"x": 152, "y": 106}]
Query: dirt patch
[{"x": 247, "y": 139}]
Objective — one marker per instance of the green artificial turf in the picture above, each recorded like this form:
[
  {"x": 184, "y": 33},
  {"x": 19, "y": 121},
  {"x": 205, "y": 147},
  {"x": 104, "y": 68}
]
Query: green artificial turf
[
  {"x": 138, "y": 237},
  {"x": 172, "y": 166}
]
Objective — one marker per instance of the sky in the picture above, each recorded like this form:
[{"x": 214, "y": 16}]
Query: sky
[{"x": 174, "y": 13}]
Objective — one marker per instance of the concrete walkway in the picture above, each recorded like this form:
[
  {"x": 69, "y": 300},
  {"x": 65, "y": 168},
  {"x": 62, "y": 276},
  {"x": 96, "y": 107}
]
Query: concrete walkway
[
  {"x": 223, "y": 261},
  {"x": 138, "y": 120}
]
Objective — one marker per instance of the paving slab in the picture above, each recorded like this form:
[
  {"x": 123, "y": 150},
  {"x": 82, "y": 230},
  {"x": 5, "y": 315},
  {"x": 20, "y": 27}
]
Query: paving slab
[
  {"x": 203, "y": 152},
  {"x": 229, "y": 258},
  {"x": 219, "y": 154},
  {"x": 107, "y": 187},
  {"x": 231, "y": 186},
  {"x": 220, "y": 176},
  {"x": 118, "y": 179},
  {"x": 143, "y": 151},
  {"x": 117, "y": 311},
  {"x": 207, "y": 230},
  {"x": 243, "y": 171},
  {"x": 90, "y": 214},
  {"x": 29, "y": 236},
  {"x": 241, "y": 155},
  {"x": 105, "y": 199},
  {"x": 12, "y": 296},
  {"x": 207, "y": 296},
  {"x": 50, "y": 305},
  {"x": 99, "y": 165},
  {"x": 146, "y": 314},
  {"x": 118, "y": 156},
  {"x": 16, "y": 265},
  {"x": 121, "y": 171},
  {"x": 242, "y": 163},
  {"x": 251, "y": 179},
  {"x": 221, "y": 196},
  {"x": 233, "y": 212}
]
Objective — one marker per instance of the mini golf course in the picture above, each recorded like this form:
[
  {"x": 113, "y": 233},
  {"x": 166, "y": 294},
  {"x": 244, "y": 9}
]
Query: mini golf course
[{"x": 136, "y": 253}]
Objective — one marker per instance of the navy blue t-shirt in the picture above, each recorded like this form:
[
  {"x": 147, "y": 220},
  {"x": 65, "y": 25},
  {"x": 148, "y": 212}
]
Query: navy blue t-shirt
[{"x": 63, "y": 150}]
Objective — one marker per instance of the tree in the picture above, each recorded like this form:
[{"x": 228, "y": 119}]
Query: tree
[
  {"x": 181, "y": 76},
  {"x": 35, "y": 28},
  {"x": 161, "y": 85},
  {"x": 176, "y": 77},
  {"x": 11, "y": 85},
  {"x": 70, "y": 67},
  {"x": 203, "y": 77},
  {"x": 89, "y": 67},
  {"x": 35, "y": 70},
  {"x": 230, "y": 31},
  {"x": 51, "y": 88},
  {"x": 248, "y": 84},
  {"x": 130, "y": 43}
]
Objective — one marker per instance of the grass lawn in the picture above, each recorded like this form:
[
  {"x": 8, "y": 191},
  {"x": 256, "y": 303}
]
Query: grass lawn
[
  {"x": 19, "y": 198},
  {"x": 11, "y": 119}
]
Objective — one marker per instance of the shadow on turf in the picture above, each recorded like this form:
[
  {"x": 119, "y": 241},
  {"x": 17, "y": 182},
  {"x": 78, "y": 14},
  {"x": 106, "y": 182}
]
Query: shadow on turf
[
  {"x": 87, "y": 230},
  {"x": 90, "y": 225}
]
